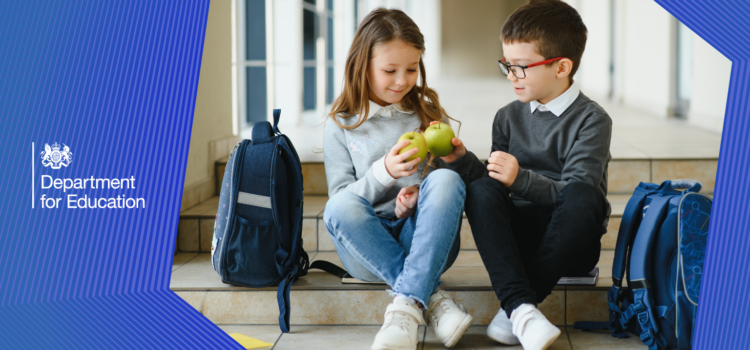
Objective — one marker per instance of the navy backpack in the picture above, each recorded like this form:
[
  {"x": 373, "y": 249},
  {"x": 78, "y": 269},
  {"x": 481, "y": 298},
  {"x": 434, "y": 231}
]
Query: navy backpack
[
  {"x": 258, "y": 232},
  {"x": 661, "y": 246}
]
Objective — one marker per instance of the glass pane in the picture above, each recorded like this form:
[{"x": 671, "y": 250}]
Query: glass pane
[
  {"x": 308, "y": 35},
  {"x": 329, "y": 42},
  {"x": 309, "y": 88},
  {"x": 329, "y": 5},
  {"x": 329, "y": 85},
  {"x": 310, "y": 1},
  {"x": 255, "y": 30},
  {"x": 256, "y": 94}
]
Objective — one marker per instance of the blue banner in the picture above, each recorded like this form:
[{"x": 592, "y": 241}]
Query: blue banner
[
  {"x": 723, "y": 320},
  {"x": 96, "y": 107}
]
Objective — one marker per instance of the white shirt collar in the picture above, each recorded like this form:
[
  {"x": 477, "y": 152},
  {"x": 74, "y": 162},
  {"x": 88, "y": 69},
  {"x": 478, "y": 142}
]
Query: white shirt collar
[
  {"x": 387, "y": 111},
  {"x": 559, "y": 104}
]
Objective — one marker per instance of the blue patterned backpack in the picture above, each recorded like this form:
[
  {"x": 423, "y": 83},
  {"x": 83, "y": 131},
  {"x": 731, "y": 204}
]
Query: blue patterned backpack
[
  {"x": 258, "y": 232},
  {"x": 662, "y": 247}
]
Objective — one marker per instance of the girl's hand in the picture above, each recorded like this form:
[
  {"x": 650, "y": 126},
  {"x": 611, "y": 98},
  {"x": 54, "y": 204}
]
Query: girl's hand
[
  {"x": 394, "y": 162},
  {"x": 406, "y": 202},
  {"x": 458, "y": 149}
]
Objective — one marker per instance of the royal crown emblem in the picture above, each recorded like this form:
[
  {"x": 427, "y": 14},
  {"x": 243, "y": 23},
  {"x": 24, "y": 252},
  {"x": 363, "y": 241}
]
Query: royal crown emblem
[{"x": 56, "y": 158}]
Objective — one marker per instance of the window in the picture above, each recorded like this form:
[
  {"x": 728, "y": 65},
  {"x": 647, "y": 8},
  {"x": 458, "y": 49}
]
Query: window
[
  {"x": 317, "y": 33},
  {"x": 309, "y": 53},
  {"x": 277, "y": 63},
  {"x": 256, "y": 98},
  {"x": 329, "y": 51}
]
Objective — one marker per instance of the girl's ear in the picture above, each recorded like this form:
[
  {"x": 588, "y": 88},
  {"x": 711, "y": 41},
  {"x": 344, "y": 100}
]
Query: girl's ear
[{"x": 564, "y": 68}]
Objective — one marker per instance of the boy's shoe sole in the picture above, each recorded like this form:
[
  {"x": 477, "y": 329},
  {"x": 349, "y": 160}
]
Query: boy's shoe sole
[
  {"x": 550, "y": 340},
  {"x": 501, "y": 337},
  {"x": 459, "y": 332},
  {"x": 383, "y": 347}
]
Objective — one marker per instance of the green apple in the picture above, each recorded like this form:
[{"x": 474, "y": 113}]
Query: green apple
[
  {"x": 416, "y": 140},
  {"x": 439, "y": 139}
]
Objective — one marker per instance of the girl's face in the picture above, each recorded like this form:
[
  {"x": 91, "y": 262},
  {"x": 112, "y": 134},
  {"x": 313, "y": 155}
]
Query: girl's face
[{"x": 392, "y": 72}]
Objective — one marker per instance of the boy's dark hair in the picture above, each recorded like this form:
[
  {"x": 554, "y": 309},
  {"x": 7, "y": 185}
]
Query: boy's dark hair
[{"x": 553, "y": 25}]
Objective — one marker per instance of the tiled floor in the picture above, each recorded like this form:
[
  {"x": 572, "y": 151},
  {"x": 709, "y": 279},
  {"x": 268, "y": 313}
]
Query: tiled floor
[
  {"x": 360, "y": 337},
  {"x": 635, "y": 134}
]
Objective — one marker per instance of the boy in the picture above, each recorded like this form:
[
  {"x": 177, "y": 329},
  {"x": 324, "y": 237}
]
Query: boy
[{"x": 537, "y": 207}]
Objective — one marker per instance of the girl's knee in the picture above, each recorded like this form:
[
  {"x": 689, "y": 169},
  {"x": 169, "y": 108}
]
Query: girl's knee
[
  {"x": 448, "y": 183},
  {"x": 341, "y": 205},
  {"x": 445, "y": 176}
]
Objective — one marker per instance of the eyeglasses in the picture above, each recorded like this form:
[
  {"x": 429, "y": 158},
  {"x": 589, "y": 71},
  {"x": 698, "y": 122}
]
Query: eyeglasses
[{"x": 520, "y": 71}]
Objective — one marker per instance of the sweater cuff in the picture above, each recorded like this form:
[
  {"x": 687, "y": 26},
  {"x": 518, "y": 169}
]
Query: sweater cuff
[
  {"x": 519, "y": 184},
  {"x": 381, "y": 173},
  {"x": 464, "y": 163}
]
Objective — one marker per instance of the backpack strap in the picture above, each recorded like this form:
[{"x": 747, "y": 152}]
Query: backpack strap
[
  {"x": 631, "y": 220},
  {"x": 282, "y": 294},
  {"x": 276, "y": 117},
  {"x": 328, "y": 267},
  {"x": 643, "y": 306}
]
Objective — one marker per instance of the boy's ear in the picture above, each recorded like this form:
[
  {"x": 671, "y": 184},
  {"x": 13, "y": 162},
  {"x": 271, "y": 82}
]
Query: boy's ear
[{"x": 564, "y": 68}]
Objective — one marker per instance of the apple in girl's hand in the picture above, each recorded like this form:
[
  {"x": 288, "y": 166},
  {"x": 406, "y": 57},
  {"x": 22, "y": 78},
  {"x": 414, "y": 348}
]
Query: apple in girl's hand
[
  {"x": 439, "y": 137},
  {"x": 416, "y": 140}
]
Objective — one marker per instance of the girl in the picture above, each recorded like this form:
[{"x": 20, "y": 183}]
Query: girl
[{"x": 393, "y": 220}]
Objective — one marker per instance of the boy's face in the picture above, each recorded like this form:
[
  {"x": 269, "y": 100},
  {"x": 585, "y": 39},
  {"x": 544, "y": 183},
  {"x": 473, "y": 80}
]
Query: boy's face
[
  {"x": 541, "y": 83},
  {"x": 392, "y": 72}
]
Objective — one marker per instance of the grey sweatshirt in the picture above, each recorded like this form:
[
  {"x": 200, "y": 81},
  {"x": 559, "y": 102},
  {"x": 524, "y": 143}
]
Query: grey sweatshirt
[
  {"x": 355, "y": 159},
  {"x": 551, "y": 151}
]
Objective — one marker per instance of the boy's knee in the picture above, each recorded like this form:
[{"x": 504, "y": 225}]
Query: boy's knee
[
  {"x": 485, "y": 188},
  {"x": 580, "y": 189},
  {"x": 581, "y": 193}
]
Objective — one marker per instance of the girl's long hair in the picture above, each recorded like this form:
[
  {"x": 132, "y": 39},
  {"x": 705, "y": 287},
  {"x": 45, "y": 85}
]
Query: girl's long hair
[{"x": 379, "y": 27}]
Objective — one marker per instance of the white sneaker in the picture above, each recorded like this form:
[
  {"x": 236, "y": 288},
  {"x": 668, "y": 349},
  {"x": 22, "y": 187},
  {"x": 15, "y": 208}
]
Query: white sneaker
[
  {"x": 501, "y": 329},
  {"x": 532, "y": 328},
  {"x": 399, "y": 331},
  {"x": 449, "y": 318}
]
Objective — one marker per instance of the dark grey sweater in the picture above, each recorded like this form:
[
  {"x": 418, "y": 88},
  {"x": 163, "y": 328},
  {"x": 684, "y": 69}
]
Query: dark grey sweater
[{"x": 551, "y": 151}]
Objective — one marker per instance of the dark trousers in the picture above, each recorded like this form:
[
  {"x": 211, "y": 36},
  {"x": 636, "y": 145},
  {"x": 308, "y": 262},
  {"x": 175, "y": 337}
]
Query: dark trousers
[{"x": 526, "y": 248}]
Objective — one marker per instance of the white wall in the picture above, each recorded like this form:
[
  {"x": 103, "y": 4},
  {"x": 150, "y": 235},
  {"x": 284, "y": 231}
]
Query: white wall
[
  {"x": 646, "y": 58},
  {"x": 593, "y": 75},
  {"x": 644, "y": 62},
  {"x": 711, "y": 71}
]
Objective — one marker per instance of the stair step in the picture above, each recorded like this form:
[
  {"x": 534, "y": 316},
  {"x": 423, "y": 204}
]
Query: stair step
[
  {"x": 317, "y": 299},
  {"x": 623, "y": 176},
  {"x": 196, "y": 227}
]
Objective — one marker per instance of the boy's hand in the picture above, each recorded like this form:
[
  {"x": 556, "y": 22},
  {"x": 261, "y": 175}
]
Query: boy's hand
[
  {"x": 406, "y": 202},
  {"x": 394, "y": 162},
  {"x": 458, "y": 149},
  {"x": 503, "y": 167}
]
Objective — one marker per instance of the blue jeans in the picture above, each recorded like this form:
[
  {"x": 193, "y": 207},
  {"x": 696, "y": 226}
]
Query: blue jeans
[{"x": 408, "y": 254}]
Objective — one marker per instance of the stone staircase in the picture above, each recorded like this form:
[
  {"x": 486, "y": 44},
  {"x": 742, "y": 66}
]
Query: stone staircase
[{"x": 317, "y": 297}]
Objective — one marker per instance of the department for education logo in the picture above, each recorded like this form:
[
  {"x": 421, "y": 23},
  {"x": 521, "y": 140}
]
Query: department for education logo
[{"x": 54, "y": 157}]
